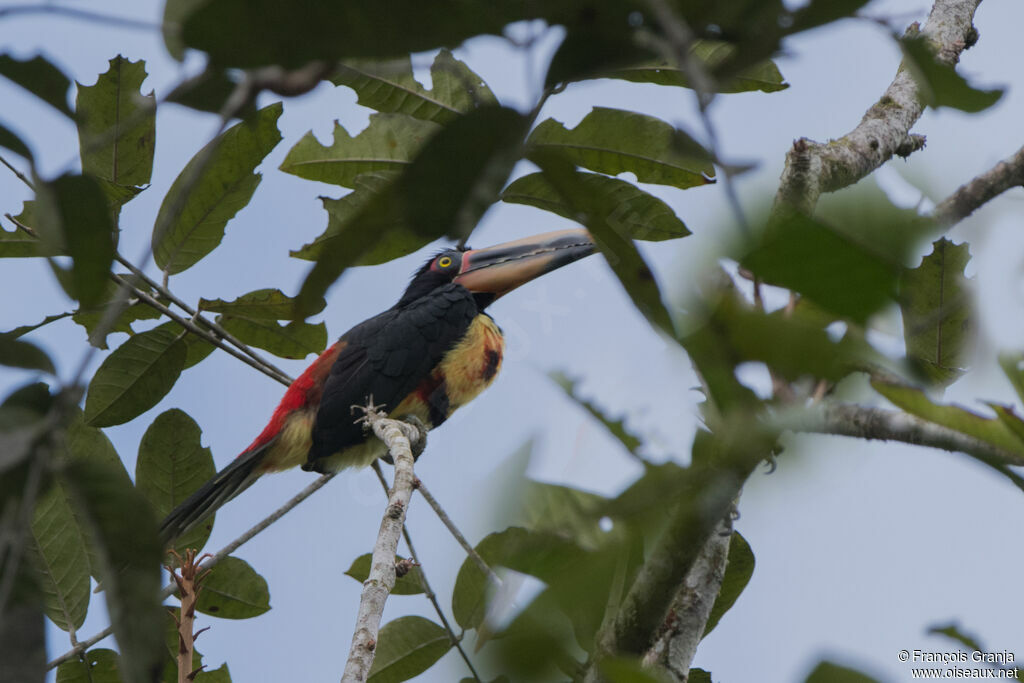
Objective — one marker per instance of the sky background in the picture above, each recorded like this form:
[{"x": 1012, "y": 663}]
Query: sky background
[{"x": 860, "y": 547}]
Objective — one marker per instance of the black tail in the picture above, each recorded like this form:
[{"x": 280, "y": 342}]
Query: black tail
[{"x": 224, "y": 486}]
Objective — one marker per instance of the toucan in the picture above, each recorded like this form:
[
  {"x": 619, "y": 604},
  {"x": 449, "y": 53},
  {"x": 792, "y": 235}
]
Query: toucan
[{"x": 432, "y": 352}]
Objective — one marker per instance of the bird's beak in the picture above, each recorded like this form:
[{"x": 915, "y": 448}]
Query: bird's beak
[{"x": 499, "y": 269}]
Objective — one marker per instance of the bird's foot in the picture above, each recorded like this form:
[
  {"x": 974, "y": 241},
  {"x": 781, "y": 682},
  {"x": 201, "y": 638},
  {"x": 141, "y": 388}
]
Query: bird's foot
[{"x": 419, "y": 442}]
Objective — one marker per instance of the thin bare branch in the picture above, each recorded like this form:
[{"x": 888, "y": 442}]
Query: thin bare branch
[
  {"x": 971, "y": 196},
  {"x": 19, "y": 174},
  {"x": 454, "y": 530},
  {"x": 397, "y": 435}
]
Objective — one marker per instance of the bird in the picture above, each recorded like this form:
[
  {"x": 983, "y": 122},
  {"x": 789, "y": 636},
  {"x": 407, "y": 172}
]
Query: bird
[{"x": 430, "y": 353}]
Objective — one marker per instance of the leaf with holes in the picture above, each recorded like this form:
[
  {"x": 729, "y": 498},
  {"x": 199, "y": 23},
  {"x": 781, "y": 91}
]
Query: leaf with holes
[
  {"x": 389, "y": 86},
  {"x": 193, "y": 215},
  {"x": 171, "y": 466},
  {"x": 640, "y": 215},
  {"x": 406, "y": 647},
  {"x": 295, "y": 340},
  {"x": 18, "y": 243},
  {"x": 117, "y": 126},
  {"x": 260, "y": 304},
  {"x": 614, "y": 141},
  {"x": 233, "y": 590},
  {"x": 134, "y": 378}
]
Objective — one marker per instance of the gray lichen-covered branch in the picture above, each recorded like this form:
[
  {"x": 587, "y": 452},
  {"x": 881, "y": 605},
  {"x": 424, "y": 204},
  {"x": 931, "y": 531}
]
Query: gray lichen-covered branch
[
  {"x": 813, "y": 168},
  {"x": 971, "y": 196}
]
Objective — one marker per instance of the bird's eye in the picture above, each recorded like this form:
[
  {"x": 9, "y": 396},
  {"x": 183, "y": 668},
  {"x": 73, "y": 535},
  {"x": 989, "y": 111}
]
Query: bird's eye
[{"x": 444, "y": 261}]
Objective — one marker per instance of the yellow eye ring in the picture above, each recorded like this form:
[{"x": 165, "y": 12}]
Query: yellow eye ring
[{"x": 444, "y": 261}]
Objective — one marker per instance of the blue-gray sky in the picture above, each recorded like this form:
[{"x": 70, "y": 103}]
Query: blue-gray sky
[{"x": 859, "y": 546}]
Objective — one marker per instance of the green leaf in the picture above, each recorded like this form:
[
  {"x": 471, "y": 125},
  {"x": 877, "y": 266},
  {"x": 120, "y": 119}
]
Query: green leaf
[
  {"x": 814, "y": 259},
  {"x": 22, "y": 330},
  {"x": 194, "y": 217},
  {"x": 738, "y": 570},
  {"x": 19, "y": 243},
  {"x": 390, "y": 87},
  {"x": 21, "y": 354},
  {"x": 233, "y": 590},
  {"x": 91, "y": 317},
  {"x": 406, "y": 647},
  {"x": 117, "y": 125},
  {"x": 827, "y": 672},
  {"x": 460, "y": 171},
  {"x": 124, "y": 535},
  {"x": 953, "y": 632},
  {"x": 171, "y": 466},
  {"x": 208, "y": 91},
  {"x": 11, "y": 141},
  {"x": 763, "y": 76},
  {"x": 346, "y": 236},
  {"x": 294, "y": 340},
  {"x": 260, "y": 304},
  {"x": 617, "y": 428},
  {"x": 1013, "y": 367},
  {"x": 618, "y": 249},
  {"x": 219, "y": 675},
  {"x": 100, "y": 666},
  {"x": 938, "y": 83},
  {"x": 389, "y": 143},
  {"x": 134, "y": 378},
  {"x": 60, "y": 556},
  {"x": 409, "y": 584},
  {"x": 39, "y": 77},
  {"x": 992, "y": 431},
  {"x": 642, "y": 216},
  {"x": 73, "y": 218},
  {"x": 564, "y": 511},
  {"x": 935, "y": 302},
  {"x": 614, "y": 141}
]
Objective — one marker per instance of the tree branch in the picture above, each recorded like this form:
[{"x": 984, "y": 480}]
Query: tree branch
[
  {"x": 813, "y": 168},
  {"x": 397, "y": 435},
  {"x": 683, "y": 628},
  {"x": 454, "y": 531},
  {"x": 1007, "y": 174},
  {"x": 865, "y": 422}
]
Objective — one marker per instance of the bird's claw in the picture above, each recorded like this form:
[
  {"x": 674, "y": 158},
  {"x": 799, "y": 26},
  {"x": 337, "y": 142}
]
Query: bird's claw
[{"x": 418, "y": 444}]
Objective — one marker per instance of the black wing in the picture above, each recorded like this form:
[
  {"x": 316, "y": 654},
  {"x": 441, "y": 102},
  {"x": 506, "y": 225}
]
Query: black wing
[{"x": 387, "y": 357}]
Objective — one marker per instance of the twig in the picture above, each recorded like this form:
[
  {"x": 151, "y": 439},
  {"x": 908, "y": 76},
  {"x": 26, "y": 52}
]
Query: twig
[
  {"x": 189, "y": 583},
  {"x": 19, "y": 174},
  {"x": 397, "y": 435},
  {"x": 454, "y": 530},
  {"x": 427, "y": 590},
  {"x": 684, "y": 627},
  {"x": 865, "y": 422},
  {"x": 213, "y": 560},
  {"x": 1007, "y": 174},
  {"x": 813, "y": 168}
]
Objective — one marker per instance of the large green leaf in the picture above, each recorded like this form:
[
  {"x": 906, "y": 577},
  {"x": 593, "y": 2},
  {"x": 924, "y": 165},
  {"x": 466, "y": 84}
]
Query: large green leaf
[
  {"x": 39, "y": 77},
  {"x": 233, "y": 590},
  {"x": 134, "y": 377},
  {"x": 22, "y": 354},
  {"x": 640, "y": 215},
  {"x": 389, "y": 143},
  {"x": 821, "y": 263},
  {"x": 259, "y": 304},
  {"x": 171, "y": 466},
  {"x": 73, "y": 218},
  {"x": 295, "y": 340},
  {"x": 764, "y": 76},
  {"x": 614, "y": 243},
  {"x": 406, "y": 647},
  {"x": 938, "y": 83},
  {"x": 935, "y": 302},
  {"x": 98, "y": 665},
  {"x": 614, "y": 141},
  {"x": 193, "y": 215},
  {"x": 389, "y": 86},
  {"x": 738, "y": 570},
  {"x": 124, "y": 534},
  {"x": 564, "y": 511},
  {"x": 410, "y": 583},
  {"x": 117, "y": 125}
]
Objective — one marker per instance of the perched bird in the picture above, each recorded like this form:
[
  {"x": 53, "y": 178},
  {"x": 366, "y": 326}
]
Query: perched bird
[{"x": 432, "y": 352}]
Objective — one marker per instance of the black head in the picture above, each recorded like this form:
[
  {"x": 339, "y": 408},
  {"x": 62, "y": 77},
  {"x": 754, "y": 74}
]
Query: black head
[{"x": 441, "y": 269}]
